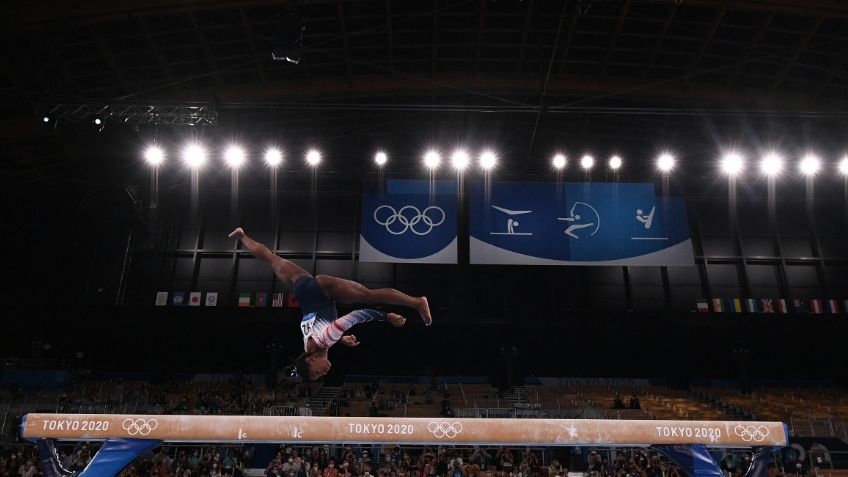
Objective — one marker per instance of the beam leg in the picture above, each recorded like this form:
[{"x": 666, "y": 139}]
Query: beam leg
[
  {"x": 112, "y": 458},
  {"x": 694, "y": 459}
]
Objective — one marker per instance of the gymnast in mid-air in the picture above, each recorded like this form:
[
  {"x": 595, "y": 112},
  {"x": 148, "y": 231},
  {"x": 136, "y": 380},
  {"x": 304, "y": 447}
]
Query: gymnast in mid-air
[{"x": 321, "y": 326}]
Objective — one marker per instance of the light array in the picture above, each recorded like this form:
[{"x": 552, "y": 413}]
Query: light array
[
  {"x": 731, "y": 163},
  {"x": 559, "y": 161},
  {"x": 460, "y": 159},
  {"x": 666, "y": 162},
  {"x": 273, "y": 157},
  {"x": 381, "y": 158},
  {"x": 615, "y": 163}
]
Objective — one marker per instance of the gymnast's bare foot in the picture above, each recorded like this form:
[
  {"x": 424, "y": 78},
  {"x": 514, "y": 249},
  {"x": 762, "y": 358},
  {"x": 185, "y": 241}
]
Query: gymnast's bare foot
[
  {"x": 237, "y": 233},
  {"x": 424, "y": 310},
  {"x": 396, "y": 320}
]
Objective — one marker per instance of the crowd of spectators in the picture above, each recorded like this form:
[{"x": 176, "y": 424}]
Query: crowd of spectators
[
  {"x": 243, "y": 398},
  {"x": 632, "y": 403},
  {"x": 381, "y": 401},
  {"x": 395, "y": 461},
  {"x": 22, "y": 461},
  {"x": 388, "y": 461},
  {"x": 230, "y": 397}
]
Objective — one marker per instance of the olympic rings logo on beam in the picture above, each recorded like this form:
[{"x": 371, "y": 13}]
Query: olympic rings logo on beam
[
  {"x": 141, "y": 427},
  {"x": 409, "y": 216},
  {"x": 749, "y": 433},
  {"x": 445, "y": 429}
]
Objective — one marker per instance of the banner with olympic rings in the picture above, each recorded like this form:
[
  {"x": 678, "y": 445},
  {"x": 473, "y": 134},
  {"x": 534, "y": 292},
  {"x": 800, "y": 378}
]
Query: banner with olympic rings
[{"x": 408, "y": 228}]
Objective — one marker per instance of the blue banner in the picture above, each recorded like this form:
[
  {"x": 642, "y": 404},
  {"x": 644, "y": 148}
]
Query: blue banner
[
  {"x": 408, "y": 228},
  {"x": 548, "y": 223}
]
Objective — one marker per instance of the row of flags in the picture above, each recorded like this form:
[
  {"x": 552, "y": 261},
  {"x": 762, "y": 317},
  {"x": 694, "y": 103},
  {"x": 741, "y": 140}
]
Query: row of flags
[
  {"x": 772, "y": 305},
  {"x": 245, "y": 299}
]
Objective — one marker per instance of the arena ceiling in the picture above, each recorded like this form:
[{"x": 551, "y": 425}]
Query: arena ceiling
[{"x": 570, "y": 66}]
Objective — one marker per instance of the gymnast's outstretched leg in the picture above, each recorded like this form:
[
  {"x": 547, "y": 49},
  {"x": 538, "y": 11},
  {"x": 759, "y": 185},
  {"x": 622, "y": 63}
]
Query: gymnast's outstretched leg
[
  {"x": 286, "y": 271},
  {"x": 347, "y": 291}
]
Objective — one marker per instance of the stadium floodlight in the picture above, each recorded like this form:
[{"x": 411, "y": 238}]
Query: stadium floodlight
[
  {"x": 771, "y": 164},
  {"x": 559, "y": 161},
  {"x": 732, "y": 163},
  {"x": 154, "y": 155},
  {"x": 45, "y": 119},
  {"x": 615, "y": 163},
  {"x": 313, "y": 157},
  {"x": 488, "y": 159},
  {"x": 810, "y": 164},
  {"x": 460, "y": 159},
  {"x": 234, "y": 155},
  {"x": 587, "y": 161},
  {"x": 98, "y": 121},
  {"x": 843, "y": 166},
  {"x": 273, "y": 157},
  {"x": 432, "y": 159},
  {"x": 194, "y": 155},
  {"x": 381, "y": 158},
  {"x": 665, "y": 162}
]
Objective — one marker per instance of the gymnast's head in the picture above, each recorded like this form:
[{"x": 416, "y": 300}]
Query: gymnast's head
[{"x": 312, "y": 365}]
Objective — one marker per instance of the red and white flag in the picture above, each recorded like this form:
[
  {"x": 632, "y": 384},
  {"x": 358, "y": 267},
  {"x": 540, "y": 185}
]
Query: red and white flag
[
  {"x": 293, "y": 301},
  {"x": 194, "y": 299}
]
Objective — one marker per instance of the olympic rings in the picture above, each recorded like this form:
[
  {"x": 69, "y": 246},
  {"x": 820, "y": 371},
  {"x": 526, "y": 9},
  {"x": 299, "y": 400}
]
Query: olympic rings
[
  {"x": 141, "y": 427},
  {"x": 749, "y": 433},
  {"x": 402, "y": 217},
  {"x": 445, "y": 429}
]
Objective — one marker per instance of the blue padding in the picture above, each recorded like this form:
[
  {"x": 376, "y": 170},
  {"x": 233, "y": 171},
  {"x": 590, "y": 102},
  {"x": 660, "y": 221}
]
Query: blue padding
[
  {"x": 694, "y": 459},
  {"x": 23, "y": 426},
  {"x": 115, "y": 454},
  {"x": 112, "y": 458}
]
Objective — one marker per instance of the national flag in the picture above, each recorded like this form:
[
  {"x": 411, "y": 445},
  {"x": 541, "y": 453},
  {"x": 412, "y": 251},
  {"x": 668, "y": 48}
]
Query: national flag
[
  {"x": 751, "y": 305},
  {"x": 734, "y": 305},
  {"x": 194, "y": 299},
  {"x": 816, "y": 306},
  {"x": 161, "y": 298},
  {"x": 261, "y": 299},
  {"x": 718, "y": 306},
  {"x": 211, "y": 298},
  {"x": 799, "y": 305},
  {"x": 703, "y": 306},
  {"x": 781, "y": 305},
  {"x": 766, "y": 305},
  {"x": 278, "y": 301},
  {"x": 833, "y": 307},
  {"x": 293, "y": 301},
  {"x": 179, "y": 299},
  {"x": 244, "y": 299}
]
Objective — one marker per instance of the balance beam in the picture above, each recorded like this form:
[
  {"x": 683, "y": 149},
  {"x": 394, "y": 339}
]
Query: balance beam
[{"x": 444, "y": 431}]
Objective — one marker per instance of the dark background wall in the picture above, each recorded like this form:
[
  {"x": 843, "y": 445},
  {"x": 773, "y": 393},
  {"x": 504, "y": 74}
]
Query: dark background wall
[{"x": 85, "y": 265}]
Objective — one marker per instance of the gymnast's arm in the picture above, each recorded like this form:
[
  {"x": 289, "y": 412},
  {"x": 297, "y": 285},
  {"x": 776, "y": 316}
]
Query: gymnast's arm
[{"x": 333, "y": 333}]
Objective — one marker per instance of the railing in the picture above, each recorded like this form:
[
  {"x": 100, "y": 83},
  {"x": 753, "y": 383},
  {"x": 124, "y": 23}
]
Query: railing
[
  {"x": 532, "y": 411},
  {"x": 285, "y": 410},
  {"x": 818, "y": 427}
]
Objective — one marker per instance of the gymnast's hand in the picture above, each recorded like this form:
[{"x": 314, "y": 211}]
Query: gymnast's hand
[{"x": 349, "y": 340}]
